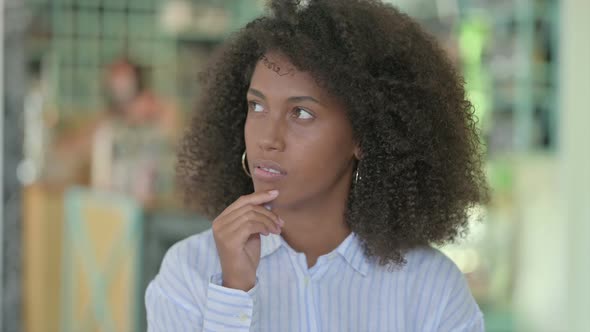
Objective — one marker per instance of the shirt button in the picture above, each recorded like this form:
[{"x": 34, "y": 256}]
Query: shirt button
[
  {"x": 244, "y": 317},
  {"x": 306, "y": 280}
]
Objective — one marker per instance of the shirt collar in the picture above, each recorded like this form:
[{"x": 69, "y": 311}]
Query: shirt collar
[
  {"x": 351, "y": 249},
  {"x": 269, "y": 244}
]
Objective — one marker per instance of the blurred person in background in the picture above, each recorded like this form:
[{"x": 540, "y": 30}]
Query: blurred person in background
[
  {"x": 129, "y": 147},
  {"x": 132, "y": 102},
  {"x": 333, "y": 145},
  {"x": 134, "y": 146}
]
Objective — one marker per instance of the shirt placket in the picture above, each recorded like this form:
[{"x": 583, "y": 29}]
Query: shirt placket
[{"x": 305, "y": 283}]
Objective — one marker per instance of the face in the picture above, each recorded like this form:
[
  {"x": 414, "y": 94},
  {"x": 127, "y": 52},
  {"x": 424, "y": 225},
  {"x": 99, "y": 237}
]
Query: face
[
  {"x": 298, "y": 138},
  {"x": 122, "y": 83}
]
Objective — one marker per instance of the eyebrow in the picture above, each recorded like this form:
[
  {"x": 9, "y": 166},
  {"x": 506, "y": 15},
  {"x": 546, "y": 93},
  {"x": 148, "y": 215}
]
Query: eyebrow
[{"x": 291, "y": 99}]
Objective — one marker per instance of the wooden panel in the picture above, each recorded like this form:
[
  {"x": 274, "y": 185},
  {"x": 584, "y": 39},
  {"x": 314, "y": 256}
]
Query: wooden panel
[
  {"x": 42, "y": 234},
  {"x": 101, "y": 262}
]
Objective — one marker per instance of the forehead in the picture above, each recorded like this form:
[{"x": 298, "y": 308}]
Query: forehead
[{"x": 275, "y": 72}]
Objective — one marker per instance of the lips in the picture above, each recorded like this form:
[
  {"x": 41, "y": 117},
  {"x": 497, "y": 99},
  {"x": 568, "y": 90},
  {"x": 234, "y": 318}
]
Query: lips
[
  {"x": 268, "y": 171},
  {"x": 270, "y": 167}
]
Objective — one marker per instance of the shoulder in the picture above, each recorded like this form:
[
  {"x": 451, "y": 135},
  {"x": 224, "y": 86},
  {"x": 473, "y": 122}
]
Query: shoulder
[
  {"x": 196, "y": 254},
  {"x": 435, "y": 280},
  {"x": 189, "y": 265},
  {"x": 184, "y": 274},
  {"x": 428, "y": 267},
  {"x": 426, "y": 259}
]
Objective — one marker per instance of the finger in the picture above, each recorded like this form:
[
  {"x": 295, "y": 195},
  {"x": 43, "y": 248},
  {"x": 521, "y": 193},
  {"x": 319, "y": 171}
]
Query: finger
[
  {"x": 256, "y": 198},
  {"x": 249, "y": 213},
  {"x": 237, "y": 239},
  {"x": 228, "y": 219},
  {"x": 245, "y": 209},
  {"x": 243, "y": 233},
  {"x": 254, "y": 216}
]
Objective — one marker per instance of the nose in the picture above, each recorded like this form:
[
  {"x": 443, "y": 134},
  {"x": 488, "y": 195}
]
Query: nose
[{"x": 272, "y": 136}]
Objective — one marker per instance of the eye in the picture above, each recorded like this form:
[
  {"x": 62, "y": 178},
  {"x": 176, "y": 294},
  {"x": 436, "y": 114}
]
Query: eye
[
  {"x": 303, "y": 114},
  {"x": 255, "y": 107}
]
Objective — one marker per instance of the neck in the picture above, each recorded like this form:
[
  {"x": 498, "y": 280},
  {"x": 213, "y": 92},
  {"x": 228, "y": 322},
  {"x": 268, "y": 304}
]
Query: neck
[{"x": 318, "y": 227}]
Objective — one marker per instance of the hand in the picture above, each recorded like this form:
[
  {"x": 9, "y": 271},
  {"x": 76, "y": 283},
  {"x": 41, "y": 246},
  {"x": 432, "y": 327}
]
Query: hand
[{"x": 237, "y": 236}]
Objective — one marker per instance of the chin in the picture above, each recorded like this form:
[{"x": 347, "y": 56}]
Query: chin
[
  {"x": 265, "y": 186},
  {"x": 285, "y": 200},
  {"x": 280, "y": 200}
]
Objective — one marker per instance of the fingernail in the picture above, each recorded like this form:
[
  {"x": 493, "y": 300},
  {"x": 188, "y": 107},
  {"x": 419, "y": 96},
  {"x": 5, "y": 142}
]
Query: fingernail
[
  {"x": 274, "y": 193},
  {"x": 282, "y": 222}
]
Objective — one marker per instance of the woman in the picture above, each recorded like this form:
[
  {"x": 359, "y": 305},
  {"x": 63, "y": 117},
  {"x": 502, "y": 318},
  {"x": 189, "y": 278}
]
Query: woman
[{"x": 358, "y": 150}]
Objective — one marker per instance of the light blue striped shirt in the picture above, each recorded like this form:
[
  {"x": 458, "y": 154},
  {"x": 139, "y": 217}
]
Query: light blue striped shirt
[{"x": 343, "y": 291}]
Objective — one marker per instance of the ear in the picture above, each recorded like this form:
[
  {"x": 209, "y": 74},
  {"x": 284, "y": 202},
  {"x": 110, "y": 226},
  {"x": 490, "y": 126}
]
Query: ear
[{"x": 358, "y": 153}]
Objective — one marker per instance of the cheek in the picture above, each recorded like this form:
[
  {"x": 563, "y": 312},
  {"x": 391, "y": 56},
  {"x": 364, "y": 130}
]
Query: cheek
[
  {"x": 321, "y": 156},
  {"x": 249, "y": 130}
]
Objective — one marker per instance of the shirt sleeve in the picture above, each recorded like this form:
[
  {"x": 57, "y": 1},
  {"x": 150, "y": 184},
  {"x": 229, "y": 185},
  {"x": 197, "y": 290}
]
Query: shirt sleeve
[
  {"x": 230, "y": 309},
  {"x": 178, "y": 300},
  {"x": 170, "y": 300},
  {"x": 461, "y": 312}
]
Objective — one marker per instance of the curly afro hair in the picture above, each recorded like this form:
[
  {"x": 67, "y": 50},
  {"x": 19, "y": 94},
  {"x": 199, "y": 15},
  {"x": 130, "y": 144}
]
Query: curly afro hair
[{"x": 421, "y": 168}]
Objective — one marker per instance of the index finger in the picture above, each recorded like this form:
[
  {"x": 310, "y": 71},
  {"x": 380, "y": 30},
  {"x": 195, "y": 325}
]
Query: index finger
[{"x": 256, "y": 198}]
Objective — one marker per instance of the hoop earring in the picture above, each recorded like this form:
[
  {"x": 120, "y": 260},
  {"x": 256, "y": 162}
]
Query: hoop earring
[
  {"x": 244, "y": 165},
  {"x": 357, "y": 177}
]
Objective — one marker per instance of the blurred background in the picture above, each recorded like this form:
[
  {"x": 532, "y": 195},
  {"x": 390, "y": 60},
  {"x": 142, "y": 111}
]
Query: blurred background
[{"x": 96, "y": 93}]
